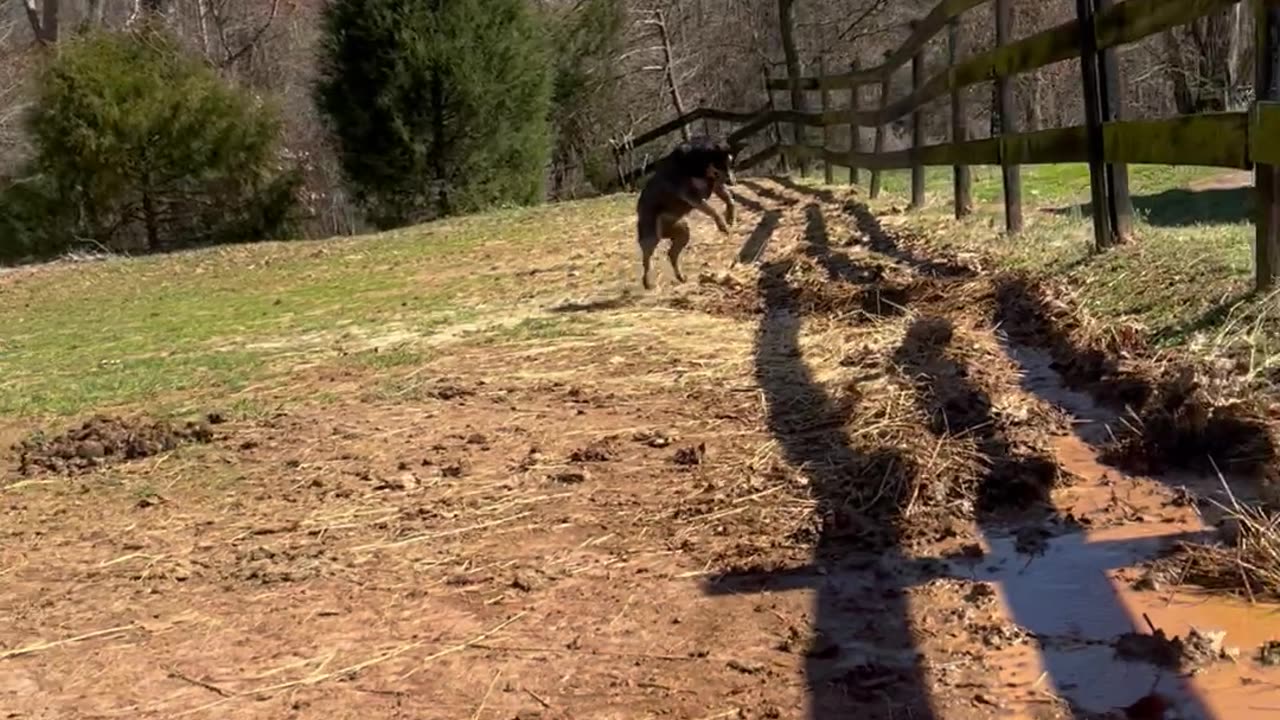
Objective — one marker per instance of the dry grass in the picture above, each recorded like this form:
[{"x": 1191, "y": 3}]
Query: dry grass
[{"x": 1246, "y": 561}]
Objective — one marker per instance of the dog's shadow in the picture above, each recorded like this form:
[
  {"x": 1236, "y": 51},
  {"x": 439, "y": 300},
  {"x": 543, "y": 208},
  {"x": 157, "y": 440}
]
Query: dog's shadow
[{"x": 624, "y": 299}]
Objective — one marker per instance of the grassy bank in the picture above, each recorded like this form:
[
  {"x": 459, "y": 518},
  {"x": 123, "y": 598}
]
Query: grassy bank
[{"x": 1186, "y": 277}]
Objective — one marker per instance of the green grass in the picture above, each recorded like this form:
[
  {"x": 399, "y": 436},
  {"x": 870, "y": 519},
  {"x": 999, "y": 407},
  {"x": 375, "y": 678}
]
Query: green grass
[
  {"x": 1186, "y": 276},
  {"x": 164, "y": 329}
]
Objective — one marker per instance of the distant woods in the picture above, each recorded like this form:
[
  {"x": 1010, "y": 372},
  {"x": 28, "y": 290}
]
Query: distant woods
[{"x": 334, "y": 116}]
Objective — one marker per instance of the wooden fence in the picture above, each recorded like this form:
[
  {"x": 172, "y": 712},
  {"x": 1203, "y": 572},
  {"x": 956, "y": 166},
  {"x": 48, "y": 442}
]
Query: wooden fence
[{"x": 1106, "y": 141}]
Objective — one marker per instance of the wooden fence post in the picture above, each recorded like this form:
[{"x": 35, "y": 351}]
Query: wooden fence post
[
  {"x": 777, "y": 126},
  {"x": 1119, "y": 204},
  {"x": 855, "y": 130},
  {"x": 1102, "y": 232},
  {"x": 800, "y": 132},
  {"x": 917, "y": 133},
  {"x": 876, "y": 174},
  {"x": 1012, "y": 174},
  {"x": 961, "y": 178},
  {"x": 828, "y": 172},
  {"x": 1266, "y": 248}
]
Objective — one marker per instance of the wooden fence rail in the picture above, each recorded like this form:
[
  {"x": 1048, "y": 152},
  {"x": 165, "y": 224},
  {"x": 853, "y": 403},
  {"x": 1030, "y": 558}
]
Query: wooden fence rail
[{"x": 1106, "y": 141}]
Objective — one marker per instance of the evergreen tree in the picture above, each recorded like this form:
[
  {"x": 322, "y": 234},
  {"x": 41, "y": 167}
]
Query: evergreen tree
[
  {"x": 588, "y": 40},
  {"x": 139, "y": 145},
  {"x": 439, "y": 106}
]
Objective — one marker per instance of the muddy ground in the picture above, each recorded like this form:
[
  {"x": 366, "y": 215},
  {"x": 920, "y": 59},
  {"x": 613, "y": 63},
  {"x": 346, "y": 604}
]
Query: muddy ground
[{"x": 854, "y": 479}]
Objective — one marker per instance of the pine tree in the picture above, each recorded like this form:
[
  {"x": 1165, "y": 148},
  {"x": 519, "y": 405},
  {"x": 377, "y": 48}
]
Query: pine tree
[
  {"x": 140, "y": 145},
  {"x": 439, "y": 106}
]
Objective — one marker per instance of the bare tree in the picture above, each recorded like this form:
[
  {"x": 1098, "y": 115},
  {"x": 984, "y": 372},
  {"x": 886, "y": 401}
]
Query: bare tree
[{"x": 44, "y": 16}]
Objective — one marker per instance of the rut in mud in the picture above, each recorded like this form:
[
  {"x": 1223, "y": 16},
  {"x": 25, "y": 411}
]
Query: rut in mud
[{"x": 849, "y": 480}]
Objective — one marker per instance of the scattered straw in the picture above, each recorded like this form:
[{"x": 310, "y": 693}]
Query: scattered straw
[
  {"x": 41, "y": 647},
  {"x": 350, "y": 670},
  {"x": 439, "y": 534}
]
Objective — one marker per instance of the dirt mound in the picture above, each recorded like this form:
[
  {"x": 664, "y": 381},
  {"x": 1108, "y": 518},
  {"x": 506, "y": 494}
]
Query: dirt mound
[
  {"x": 103, "y": 439},
  {"x": 1183, "y": 427}
]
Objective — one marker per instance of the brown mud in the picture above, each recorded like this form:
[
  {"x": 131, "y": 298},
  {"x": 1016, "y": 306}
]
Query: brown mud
[
  {"x": 103, "y": 440},
  {"x": 762, "y": 495}
]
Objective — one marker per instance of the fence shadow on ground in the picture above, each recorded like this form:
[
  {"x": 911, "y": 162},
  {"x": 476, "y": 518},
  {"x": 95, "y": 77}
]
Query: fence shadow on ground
[
  {"x": 1182, "y": 207},
  {"x": 1014, "y": 491},
  {"x": 809, "y": 426}
]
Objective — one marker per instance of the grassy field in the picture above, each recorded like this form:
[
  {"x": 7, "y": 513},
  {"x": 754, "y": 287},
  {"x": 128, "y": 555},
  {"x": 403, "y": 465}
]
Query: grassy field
[{"x": 165, "y": 330}]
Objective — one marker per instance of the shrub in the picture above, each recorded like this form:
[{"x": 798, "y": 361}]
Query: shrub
[
  {"x": 438, "y": 108},
  {"x": 140, "y": 146}
]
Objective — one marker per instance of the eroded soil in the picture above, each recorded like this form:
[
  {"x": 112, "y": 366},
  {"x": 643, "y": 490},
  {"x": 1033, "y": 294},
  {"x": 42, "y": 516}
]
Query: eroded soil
[{"x": 843, "y": 482}]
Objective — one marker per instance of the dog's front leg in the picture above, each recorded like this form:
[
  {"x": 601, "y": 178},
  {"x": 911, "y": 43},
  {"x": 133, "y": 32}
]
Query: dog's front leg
[
  {"x": 702, "y": 207},
  {"x": 730, "y": 210}
]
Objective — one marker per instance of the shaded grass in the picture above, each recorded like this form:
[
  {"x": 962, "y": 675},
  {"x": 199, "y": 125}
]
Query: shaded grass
[{"x": 1041, "y": 184}]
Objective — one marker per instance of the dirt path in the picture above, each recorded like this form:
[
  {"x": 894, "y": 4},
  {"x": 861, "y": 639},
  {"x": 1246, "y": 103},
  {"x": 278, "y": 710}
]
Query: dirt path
[{"x": 824, "y": 486}]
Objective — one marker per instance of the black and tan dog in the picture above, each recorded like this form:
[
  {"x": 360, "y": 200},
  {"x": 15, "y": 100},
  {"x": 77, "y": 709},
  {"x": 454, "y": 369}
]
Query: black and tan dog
[{"x": 681, "y": 183}]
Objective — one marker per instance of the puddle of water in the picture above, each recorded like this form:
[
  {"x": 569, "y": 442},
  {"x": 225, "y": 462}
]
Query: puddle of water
[{"x": 1078, "y": 598}]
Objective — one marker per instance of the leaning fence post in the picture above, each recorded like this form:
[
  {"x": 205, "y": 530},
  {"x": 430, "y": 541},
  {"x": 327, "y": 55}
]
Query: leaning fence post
[
  {"x": 1008, "y": 125},
  {"x": 1119, "y": 204},
  {"x": 878, "y": 149},
  {"x": 961, "y": 177},
  {"x": 1266, "y": 248},
  {"x": 777, "y": 126},
  {"x": 1102, "y": 232},
  {"x": 917, "y": 132},
  {"x": 855, "y": 130},
  {"x": 828, "y": 172}
]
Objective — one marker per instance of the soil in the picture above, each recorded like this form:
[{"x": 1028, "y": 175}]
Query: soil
[{"x": 761, "y": 495}]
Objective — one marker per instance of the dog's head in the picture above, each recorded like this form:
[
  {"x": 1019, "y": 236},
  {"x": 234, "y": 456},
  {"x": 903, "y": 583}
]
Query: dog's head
[{"x": 709, "y": 159}]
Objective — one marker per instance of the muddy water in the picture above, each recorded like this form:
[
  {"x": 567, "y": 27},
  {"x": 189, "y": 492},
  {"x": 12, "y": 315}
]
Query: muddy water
[{"x": 1077, "y": 596}]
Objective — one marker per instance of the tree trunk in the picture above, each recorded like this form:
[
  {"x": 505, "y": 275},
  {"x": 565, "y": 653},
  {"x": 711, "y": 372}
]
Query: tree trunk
[
  {"x": 786, "y": 27},
  {"x": 1035, "y": 106},
  {"x": 1178, "y": 71},
  {"x": 438, "y": 139},
  {"x": 668, "y": 61},
  {"x": 44, "y": 19},
  {"x": 150, "y": 219}
]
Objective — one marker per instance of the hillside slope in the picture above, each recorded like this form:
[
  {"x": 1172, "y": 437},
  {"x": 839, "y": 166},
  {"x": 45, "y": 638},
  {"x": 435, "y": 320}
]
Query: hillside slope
[{"x": 470, "y": 470}]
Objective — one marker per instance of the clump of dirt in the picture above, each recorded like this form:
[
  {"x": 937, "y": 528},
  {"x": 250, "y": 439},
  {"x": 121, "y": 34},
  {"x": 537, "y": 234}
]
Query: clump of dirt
[
  {"x": 104, "y": 439},
  {"x": 448, "y": 389},
  {"x": 1182, "y": 427},
  {"x": 691, "y": 455},
  {"x": 603, "y": 450},
  {"x": 654, "y": 438},
  {"x": 1018, "y": 482},
  {"x": 1190, "y": 655},
  {"x": 1269, "y": 653}
]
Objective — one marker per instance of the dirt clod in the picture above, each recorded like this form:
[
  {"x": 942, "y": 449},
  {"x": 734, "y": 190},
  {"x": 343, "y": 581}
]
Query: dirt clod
[
  {"x": 571, "y": 477},
  {"x": 1198, "y": 650},
  {"x": 1269, "y": 653},
  {"x": 653, "y": 438},
  {"x": 106, "y": 439},
  {"x": 1032, "y": 540},
  {"x": 599, "y": 451},
  {"x": 691, "y": 455}
]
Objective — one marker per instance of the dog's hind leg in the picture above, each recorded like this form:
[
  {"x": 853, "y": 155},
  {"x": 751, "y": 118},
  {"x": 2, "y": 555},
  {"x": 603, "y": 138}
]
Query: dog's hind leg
[
  {"x": 648, "y": 236},
  {"x": 679, "y": 234}
]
